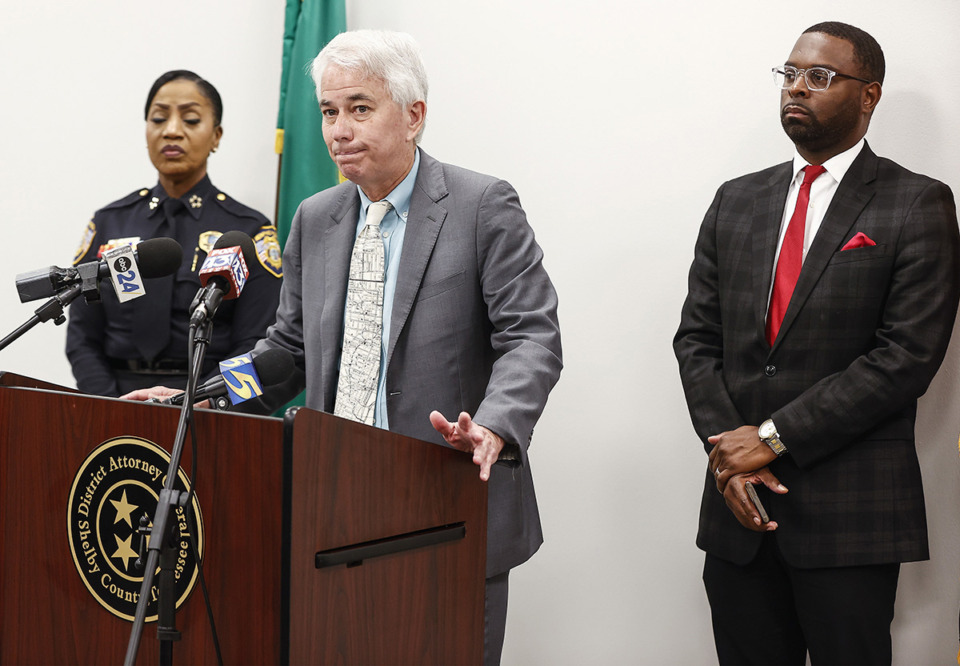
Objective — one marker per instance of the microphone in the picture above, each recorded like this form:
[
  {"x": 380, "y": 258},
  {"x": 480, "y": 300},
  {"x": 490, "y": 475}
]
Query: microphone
[
  {"x": 241, "y": 379},
  {"x": 155, "y": 257},
  {"x": 223, "y": 274}
]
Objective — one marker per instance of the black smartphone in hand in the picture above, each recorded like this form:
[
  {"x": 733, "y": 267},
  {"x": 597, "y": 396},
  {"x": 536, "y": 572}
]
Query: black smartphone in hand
[{"x": 752, "y": 493}]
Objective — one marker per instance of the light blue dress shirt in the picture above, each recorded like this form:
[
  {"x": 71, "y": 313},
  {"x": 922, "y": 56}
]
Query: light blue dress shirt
[{"x": 392, "y": 230}]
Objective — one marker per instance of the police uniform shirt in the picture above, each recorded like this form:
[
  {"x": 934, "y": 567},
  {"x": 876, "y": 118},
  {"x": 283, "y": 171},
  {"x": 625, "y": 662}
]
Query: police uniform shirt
[{"x": 103, "y": 339}]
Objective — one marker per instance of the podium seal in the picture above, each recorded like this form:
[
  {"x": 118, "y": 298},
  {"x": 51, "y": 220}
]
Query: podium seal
[{"x": 118, "y": 483}]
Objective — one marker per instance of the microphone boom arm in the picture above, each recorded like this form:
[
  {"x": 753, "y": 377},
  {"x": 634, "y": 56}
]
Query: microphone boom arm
[{"x": 52, "y": 309}]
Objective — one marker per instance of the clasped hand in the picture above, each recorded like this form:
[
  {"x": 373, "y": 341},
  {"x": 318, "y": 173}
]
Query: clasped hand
[{"x": 737, "y": 457}]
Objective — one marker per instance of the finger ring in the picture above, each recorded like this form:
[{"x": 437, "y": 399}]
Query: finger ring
[{"x": 716, "y": 472}]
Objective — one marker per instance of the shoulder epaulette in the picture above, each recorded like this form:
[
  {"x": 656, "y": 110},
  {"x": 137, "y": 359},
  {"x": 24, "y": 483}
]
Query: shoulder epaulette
[
  {"x": 230, "y": 204},
  {"x": 129, "y": 200}
]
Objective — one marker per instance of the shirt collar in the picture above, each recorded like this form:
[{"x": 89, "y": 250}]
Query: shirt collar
[
  {"x": 194, "y": 201},
  {"x": 837, "y": 166},
  {"x": 400, "y": 196}
]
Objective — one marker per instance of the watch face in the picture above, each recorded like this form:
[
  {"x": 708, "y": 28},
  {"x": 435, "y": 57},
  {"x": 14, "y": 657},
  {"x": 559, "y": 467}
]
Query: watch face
[{"x": 767, "y": 430}]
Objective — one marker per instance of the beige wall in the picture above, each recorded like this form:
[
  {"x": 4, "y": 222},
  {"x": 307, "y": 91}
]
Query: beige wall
[{"x": 616, "y": 120}]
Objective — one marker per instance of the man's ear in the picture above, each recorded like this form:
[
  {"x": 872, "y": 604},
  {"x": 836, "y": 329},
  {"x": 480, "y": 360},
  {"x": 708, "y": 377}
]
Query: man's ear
[
  {"x": 416, "y": 116},
  {"x": 870, "y": 97}
]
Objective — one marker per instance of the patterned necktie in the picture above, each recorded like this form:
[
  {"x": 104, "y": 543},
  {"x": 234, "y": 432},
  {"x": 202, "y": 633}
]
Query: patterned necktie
[
  {"x": 363, "y": 323},
  {"x": 151, "y": 324},
  {"x": 791, "y": 256}
]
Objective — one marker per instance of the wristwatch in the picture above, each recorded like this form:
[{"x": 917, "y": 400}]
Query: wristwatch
[{"x": 768, "y": 435}]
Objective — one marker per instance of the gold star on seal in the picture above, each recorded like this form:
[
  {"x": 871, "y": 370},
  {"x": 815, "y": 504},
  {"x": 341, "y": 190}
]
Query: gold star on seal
[
  {"x": 124, "y": 509},
  {"x": 124, "y": 551},
  {"x": 154, "y": 202},
  {"x": 196, "y": 201}
]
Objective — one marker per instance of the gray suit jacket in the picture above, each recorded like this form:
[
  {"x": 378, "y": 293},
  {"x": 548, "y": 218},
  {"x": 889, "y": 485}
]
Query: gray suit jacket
[
  {"x": 474, "y": 324},
  {"x": 863, "y": 336}
]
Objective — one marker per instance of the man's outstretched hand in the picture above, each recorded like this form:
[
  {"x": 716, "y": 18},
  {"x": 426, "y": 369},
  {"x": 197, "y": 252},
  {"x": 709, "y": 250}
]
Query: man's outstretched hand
[{"x": 464, "y": 434}]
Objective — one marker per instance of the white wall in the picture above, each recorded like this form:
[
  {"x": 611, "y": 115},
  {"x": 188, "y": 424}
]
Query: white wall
[{"x": 616, "y": 120}]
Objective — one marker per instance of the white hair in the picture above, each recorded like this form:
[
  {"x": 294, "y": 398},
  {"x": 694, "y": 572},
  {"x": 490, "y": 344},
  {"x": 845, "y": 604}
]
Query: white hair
[{"x": 392, "y": 57}]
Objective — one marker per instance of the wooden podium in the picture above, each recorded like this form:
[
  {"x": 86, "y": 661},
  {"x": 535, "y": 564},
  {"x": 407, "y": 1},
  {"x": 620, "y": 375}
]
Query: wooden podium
[{"x": 324, "y": 541}]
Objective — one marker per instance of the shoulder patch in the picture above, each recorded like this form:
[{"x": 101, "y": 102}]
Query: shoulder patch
[
  {"x": 88, "y": 235},
  {"x": 268, "y": 250}
]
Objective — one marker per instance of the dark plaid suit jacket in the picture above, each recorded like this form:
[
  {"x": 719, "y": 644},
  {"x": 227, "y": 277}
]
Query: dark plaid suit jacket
[{"x": 863, "y": 336}]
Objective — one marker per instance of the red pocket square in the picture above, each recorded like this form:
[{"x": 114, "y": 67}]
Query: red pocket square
[{"x": 860, "y": 240}]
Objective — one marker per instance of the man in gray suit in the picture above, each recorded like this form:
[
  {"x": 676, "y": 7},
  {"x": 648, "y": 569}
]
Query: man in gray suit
[
  {"x": 469, "y": 323},
  {"x": 468, "y": 328},
  {"x": 803, "y": 349}
]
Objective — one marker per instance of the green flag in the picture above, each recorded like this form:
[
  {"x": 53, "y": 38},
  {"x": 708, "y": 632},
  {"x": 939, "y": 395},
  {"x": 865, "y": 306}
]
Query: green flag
[{"x": 305, "y": 166}]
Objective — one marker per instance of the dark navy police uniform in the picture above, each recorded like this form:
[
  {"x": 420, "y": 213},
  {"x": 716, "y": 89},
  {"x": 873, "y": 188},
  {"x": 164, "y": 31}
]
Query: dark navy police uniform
[{"x": 115, "y": 348}]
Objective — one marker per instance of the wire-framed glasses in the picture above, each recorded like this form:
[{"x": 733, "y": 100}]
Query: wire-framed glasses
[{"x": 816, "y": 78}]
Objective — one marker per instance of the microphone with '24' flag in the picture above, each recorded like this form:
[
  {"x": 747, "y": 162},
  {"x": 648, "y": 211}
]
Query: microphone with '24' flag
[
  {"x": 153, "y": 258},
  {"x": 223, "y": 274},
  {"x": 242, "y": 378}
]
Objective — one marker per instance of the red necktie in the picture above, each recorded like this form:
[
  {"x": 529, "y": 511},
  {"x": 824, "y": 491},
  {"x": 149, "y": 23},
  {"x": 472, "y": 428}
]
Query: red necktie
[{"x": 791, "y": 256}]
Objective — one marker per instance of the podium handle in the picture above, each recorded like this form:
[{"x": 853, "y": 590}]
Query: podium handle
[{"x": 355, "y": 554}]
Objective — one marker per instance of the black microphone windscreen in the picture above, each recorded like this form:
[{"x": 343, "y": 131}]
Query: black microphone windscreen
[
  {"x": 158, "y": 257},
  {"x": 238, "y": 238},
  {"x": 274, "y": 366}
]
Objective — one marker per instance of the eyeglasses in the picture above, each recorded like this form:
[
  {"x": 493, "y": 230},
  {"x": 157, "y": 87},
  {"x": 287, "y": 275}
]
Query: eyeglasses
[{"x": 816, "y": 78}]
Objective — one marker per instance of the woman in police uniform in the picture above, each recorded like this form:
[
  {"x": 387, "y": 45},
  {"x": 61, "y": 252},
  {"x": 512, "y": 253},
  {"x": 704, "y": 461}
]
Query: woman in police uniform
[{"x": 116, "y": 348}]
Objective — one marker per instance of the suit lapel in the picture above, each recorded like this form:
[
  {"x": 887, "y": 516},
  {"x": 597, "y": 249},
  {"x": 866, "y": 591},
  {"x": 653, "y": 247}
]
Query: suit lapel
[
  {"x": 853, "y": 194},
  {"x": 765, "y": 231},
  {"x": 338, "y": 240},
  {"x": 424, "y": 221}
]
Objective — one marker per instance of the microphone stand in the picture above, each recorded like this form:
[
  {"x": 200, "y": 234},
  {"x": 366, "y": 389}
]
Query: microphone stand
[
  {"x": 89, "y": 286},
  {"x": 165, "y": 532}
]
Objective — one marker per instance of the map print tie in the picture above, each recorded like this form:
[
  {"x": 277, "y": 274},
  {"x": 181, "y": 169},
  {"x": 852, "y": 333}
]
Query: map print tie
[{"x": 363, "y": 323}]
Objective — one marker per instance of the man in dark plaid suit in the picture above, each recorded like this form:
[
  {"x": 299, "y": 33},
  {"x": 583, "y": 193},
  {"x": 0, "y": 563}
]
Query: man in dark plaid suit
[{"x": 818, "y": 414}]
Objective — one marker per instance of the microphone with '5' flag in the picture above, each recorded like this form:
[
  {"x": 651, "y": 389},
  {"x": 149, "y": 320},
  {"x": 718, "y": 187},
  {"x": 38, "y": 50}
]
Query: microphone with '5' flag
[
  {"x": 223, "y": 274},
  {"x": 243, "y": 378}
]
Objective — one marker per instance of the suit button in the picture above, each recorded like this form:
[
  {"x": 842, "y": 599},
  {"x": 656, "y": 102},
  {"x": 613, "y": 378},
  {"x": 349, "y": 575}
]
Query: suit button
[{"x": 770, "y": 370}]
